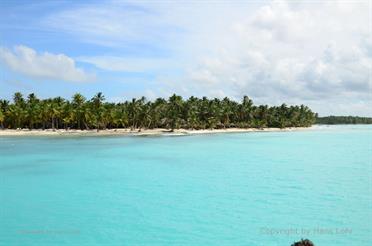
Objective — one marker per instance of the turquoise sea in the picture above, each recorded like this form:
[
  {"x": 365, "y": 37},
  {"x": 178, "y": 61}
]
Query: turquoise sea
[{"x": 268, "y": 188}]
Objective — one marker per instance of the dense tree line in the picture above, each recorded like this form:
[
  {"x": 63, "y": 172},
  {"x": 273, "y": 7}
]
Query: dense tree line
[
  {"x": 193, "y": 113},
  {"x": 333, "y": 120}
]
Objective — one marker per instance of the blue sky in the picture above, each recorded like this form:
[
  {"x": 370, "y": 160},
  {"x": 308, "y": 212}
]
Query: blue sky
[{"x": 316, "y": 53}]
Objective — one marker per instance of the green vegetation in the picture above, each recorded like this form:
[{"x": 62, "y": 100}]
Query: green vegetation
[
  {"x": 194, "y": 113},
  {"x": 333, "y": 120}
]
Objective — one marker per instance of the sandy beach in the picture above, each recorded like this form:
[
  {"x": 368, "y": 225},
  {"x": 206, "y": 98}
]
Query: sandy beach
[{"x": 137, "y": 132}]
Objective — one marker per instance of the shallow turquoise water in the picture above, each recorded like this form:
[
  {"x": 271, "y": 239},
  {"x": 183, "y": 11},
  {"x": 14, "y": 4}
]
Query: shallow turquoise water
[{"x": 221, "y": 189}]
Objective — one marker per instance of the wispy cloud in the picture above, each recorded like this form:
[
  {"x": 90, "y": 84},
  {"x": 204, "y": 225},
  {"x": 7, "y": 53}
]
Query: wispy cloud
[
  {"x": 113, "y": 24},
  {"x": 127, "y": 64}
]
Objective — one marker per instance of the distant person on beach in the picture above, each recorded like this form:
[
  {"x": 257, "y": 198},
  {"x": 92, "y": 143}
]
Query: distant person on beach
[{"x": 303, "y": 242}]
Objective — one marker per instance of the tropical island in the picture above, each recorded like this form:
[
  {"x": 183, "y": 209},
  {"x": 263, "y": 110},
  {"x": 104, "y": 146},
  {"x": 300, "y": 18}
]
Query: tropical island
[
  {"x": 337, "y": 120},
  {"x": 174, "y": 113}
]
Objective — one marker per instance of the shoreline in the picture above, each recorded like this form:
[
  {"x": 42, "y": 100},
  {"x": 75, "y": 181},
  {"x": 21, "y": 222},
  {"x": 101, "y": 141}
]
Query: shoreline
[{"x": 142, "y": 132}]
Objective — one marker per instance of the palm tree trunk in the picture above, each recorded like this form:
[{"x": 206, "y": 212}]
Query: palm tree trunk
[{"x": 86, "y": 126}]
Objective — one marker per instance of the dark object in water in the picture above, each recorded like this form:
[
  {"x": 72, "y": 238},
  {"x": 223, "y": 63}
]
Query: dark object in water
[{"x": 303, "y": 242}]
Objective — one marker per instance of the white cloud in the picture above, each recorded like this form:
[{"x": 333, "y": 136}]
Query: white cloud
[
  {"x": 317, "y": 53},
  {"x": 45, "y": 65},
  {"x": 295, "y": 53}
]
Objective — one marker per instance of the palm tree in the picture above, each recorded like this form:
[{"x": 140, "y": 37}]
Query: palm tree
[
  {"x": 67, "y": 116},
  {"x": 18, "y": 99},
  {"x": 192, "y": 112},
  {"x": 32, "y": 110},
  {"x": 146, "y": 114},
  {"x": 261, "y": 116},
  {"x": 226, "y": 112},
  {"x": 119, "y": 116},
  {"x": 141, "y": 112},
  {"x": 245, "y": 112},
  {"x": 4, "y": 107},
  {"x": 78, "y": 101},
  {"x": 17, "y": 113},
  {"x": 174, "y": 111},
  {"x": 161, "y": 112},
  {"x": 214, "y": 114},
  {"x": 17, "y": 109},
  {"x": 2, "y": 118},
  {"x": 283, "y": 115},
  {"x": 97, "y": 102},
  {"x": 134, "y": 111}
]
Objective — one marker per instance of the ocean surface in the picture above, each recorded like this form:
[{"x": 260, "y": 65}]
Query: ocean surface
[{"x": 268, "y": 188}]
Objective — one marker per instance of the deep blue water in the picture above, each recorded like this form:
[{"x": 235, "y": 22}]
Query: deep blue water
[{"x": 221, "y": 189}]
